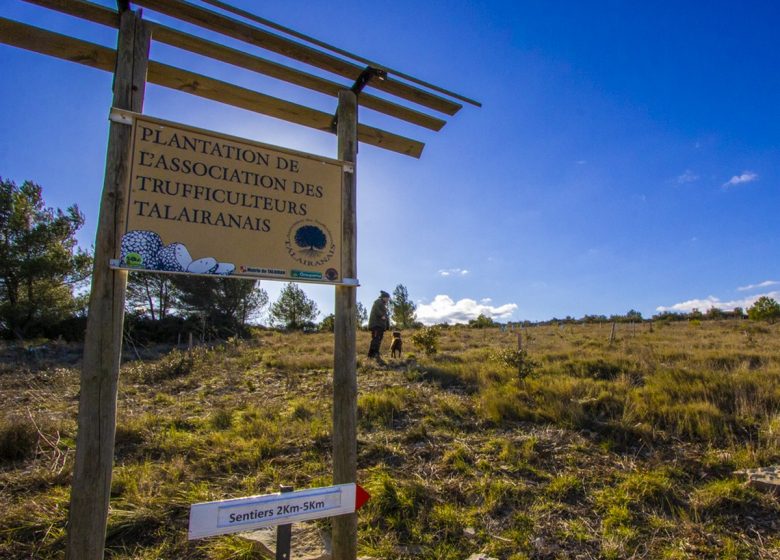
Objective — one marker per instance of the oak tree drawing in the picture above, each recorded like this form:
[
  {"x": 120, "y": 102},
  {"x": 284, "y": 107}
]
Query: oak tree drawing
[{"x": 311, "y": 238}]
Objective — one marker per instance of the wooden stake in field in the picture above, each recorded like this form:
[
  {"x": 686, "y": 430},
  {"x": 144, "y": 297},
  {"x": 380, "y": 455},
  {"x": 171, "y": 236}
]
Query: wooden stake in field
[{"x": 103, "y": 342}]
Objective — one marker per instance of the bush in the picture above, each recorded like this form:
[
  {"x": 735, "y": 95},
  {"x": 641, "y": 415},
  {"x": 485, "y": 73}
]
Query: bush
[
  {"x": 765, "y": 309},
  {"x": 515, "y": 359},
  {"x": 427, "y": 340},
  {"x": 482, "y": 322}
]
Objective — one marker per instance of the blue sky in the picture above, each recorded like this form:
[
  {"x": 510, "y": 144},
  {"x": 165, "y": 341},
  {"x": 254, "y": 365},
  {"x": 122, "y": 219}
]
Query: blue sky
[{"x": 626, "y": 156}]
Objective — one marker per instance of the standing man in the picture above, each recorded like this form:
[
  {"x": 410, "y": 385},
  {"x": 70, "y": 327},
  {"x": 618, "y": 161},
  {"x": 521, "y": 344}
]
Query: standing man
[{"x": 378, "y": 323}]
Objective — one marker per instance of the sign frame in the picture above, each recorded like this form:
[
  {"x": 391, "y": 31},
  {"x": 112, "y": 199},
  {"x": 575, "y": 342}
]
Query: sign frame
[{"x": 290, "y": 260}]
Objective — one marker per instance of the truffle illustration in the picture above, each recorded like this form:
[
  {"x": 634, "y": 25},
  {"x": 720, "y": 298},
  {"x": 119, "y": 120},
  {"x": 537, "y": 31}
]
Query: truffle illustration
[
  {"x": 145, "y": 249},
  {"x": 225, "y": 268},
  {"x": 206, "y": 265},
  {"x": 174, "y": 257},
  {"x": 140, "y": 248}
]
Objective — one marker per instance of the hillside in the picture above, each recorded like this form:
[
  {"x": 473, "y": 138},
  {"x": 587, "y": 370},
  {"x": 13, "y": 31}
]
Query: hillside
[{"x": 622, "y": 450}]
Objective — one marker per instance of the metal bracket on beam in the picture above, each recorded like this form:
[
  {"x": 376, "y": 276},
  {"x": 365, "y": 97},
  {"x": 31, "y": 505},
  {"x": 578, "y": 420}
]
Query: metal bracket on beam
[
  {"x": 120, "y": 117},
  {"x": 365, "y": 77},
  {"x": 360, "y": 83}
]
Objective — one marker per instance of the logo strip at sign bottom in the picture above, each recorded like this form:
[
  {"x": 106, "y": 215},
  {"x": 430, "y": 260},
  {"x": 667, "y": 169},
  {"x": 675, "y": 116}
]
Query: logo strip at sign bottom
[{"x": 208, "y": 519}]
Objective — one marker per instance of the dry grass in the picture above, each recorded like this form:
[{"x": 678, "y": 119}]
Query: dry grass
[{"x": 601, "y": 451}]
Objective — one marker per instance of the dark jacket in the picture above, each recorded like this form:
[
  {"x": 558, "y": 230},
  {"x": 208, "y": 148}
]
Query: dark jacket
[{"x": 379, "y": 318}]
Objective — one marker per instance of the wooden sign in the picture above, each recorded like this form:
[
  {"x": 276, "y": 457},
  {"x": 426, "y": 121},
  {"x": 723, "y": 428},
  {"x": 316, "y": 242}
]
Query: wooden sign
[
  {"x": 247, "y": 514},
  {"x": 200, "y": 202}
]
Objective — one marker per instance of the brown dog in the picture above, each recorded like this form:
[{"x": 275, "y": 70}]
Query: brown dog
[{"x": 397, "y": 344}]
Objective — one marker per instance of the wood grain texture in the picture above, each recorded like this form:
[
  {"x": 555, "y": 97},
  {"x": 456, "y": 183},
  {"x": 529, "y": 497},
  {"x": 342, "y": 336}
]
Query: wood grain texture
[
  {"x": 238, "y": 30},
  {"x": 99, "y": 14},
  {"x": 344, "y": 332},
  {"x": 97, "y": 56}
]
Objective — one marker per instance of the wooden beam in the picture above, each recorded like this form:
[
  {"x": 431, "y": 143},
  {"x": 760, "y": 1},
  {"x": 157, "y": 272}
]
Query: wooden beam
[
  {"x": 293, "y": 33},
  {"x": 202, "y": 86},
  {"x": 99, "y": 14},
  {"x": 60, "y": 46},
  {"x": 237, "y": 29},
  {"x": 41, "y": 41},
  {"x": 279, "y": 71},
  {"x": 85, "y": 10}
]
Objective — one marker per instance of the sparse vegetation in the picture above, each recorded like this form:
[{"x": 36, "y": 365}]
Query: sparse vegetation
[{"x": 622, "y": 450}]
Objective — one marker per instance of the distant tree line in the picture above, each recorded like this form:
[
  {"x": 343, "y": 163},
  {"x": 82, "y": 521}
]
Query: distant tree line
[{"x": 44, "y": 276}]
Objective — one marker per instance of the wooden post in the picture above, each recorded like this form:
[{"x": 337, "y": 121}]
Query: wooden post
[
  {"x": 283, "y": 534},
  {"x": 612, "y": 333},
  {"x": 345, "y": 347},
  {"x": 103, "y": 341}
]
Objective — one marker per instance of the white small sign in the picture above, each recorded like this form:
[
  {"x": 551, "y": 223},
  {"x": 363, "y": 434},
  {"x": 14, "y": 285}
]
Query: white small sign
[{"x": 246, "y": 514}]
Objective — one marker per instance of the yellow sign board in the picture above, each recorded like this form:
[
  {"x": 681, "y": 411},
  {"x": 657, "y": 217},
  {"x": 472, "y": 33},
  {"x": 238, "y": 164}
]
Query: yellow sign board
[{"x": 200, "y": 202}]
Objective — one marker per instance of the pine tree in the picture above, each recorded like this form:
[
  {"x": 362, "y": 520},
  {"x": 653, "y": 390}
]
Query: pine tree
[
  {"x": 404, "y": 309},
  {"x": 293, "y": 310},
  {"x": 40, "y": 263}
]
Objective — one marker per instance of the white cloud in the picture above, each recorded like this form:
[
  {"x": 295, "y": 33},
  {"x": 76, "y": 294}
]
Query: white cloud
[
  {"x": 453, "y": 272},
  {"x": 444, "y": 310},
  {"x": 687, "y": 177},
  {"x": 764, "y": 284},
  {"x": 712, "y": 301},
  {"x": 746, "y": 177}
]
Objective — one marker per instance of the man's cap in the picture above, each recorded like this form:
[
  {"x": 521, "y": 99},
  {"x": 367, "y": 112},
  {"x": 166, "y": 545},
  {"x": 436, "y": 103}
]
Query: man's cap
[{"x": 383, "y": 293}]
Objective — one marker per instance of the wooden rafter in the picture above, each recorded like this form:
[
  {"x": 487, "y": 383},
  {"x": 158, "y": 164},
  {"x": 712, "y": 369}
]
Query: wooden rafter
[
  {"x": 275, "y": 43},
  {"x": 105, "y": 16},
  {"x": 311, "y": 40},
  {"x": 97, "y": 56}
]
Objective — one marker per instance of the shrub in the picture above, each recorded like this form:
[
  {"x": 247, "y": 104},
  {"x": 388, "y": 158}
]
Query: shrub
[
  {"x": 427, "y": 340},
  {"x": 515, "y": 359},
  {"x": 482, "y": 322},
  {"x": 765, "y": 309},
  {"x": 174, "y": 364}
]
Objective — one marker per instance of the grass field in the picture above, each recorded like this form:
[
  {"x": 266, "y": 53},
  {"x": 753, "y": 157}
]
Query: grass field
[{"x": 622, "y": 450}]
